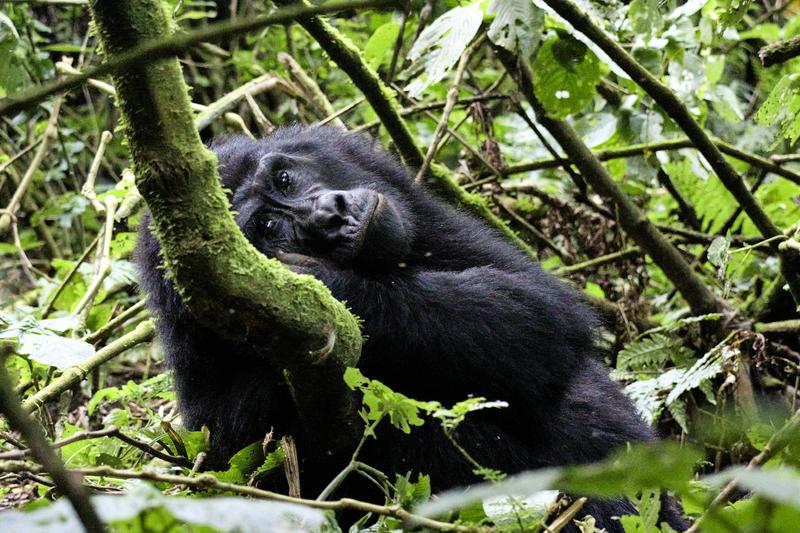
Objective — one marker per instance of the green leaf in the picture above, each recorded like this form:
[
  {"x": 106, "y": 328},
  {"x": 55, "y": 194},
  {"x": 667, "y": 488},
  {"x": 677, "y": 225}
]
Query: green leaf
[
  {"x": 645, "y": 16},
  {"x": 651, "y": 465},
  {"x": 52, "y": 350},
  {"x": 380, "y": 44},
  {"x": 517, "y": 25},
  {"x": 594, "y": 290},
  {"x": 651, "y": 351},
  {"x": 379, "y": 401},
  {"x": 782, "y": 107},
  {"x": 565, "y": 74},
  {"x": 440, "y": 45}
]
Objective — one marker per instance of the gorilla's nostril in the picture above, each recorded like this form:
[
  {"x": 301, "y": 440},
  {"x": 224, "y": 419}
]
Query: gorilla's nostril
[
  {"x": 341, "y": 204},
  {"x": 332, "y": 221}
]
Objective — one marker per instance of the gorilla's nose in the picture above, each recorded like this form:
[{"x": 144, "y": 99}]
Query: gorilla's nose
[
  {"x": 340, "y": 214},
  {"x": 331, "y": 210}
]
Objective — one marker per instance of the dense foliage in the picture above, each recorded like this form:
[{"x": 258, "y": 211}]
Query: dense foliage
[{"x": 720, "y": 380}]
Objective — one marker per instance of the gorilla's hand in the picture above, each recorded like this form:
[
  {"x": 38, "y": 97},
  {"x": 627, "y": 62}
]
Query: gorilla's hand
[{"x": 304, "y": 264}]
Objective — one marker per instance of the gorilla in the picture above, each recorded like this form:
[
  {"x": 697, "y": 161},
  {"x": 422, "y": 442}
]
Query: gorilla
[{"x": 450, "y": 309}]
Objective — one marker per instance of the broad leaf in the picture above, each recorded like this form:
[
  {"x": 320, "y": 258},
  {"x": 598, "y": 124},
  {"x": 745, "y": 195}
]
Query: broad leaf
[
  {"x": 441, "y": 44},
  {"x": 517, "y": 25}
]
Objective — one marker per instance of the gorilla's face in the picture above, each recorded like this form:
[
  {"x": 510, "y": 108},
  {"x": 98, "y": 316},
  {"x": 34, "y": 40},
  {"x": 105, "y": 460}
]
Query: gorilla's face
[{"x": 320, "y": 204}]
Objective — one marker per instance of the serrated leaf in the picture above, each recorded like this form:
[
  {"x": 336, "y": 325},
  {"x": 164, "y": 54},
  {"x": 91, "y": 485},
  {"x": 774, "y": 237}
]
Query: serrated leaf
[
  {"x": 719, "y": 251},
  {"x": 650, "y": 351},
  {"x": 517, "y": 25},
  {"x": 441, "y": 44}
]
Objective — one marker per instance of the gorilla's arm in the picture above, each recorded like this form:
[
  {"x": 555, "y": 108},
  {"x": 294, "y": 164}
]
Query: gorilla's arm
[{"x": 515, "y": 336}]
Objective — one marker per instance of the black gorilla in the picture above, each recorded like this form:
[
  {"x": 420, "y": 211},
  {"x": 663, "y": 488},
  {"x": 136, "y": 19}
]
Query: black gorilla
[{"x": 450, "y": 309}]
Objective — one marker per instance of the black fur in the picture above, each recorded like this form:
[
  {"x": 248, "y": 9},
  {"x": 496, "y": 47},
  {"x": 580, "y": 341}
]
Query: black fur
[{"x": 450, "y": 309}]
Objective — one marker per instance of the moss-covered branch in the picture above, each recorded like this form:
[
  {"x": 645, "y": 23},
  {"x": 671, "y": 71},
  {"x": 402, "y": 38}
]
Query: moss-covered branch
[
  {"x": 633, "y": 221},
  {"x": 226, "y": 284}
]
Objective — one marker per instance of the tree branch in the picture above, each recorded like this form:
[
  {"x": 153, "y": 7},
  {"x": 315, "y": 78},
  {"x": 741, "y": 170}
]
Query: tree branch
[
  {"x": 227, "y": 285},
  {"x": 779, "y": 52}
]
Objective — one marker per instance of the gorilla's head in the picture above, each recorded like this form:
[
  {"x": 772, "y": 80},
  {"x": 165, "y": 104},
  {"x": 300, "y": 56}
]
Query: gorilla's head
[{"x": 319, "y": 192}]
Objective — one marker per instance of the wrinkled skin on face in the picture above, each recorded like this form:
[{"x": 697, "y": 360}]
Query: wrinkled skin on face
[{"x": 294, "y": 202}]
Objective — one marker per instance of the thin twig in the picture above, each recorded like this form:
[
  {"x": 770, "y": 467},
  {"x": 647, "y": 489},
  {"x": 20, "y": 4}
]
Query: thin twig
[
  {"x": 98, "y": 434},
  {"x": 88, "y": 187},
  {"x": 73, "y": 375},
  {"x": 48, "y": 307},
  {"x": 115, "y": 322},
  {"x": 103, "y": 266},
  {"x": 450, "y": 102}
]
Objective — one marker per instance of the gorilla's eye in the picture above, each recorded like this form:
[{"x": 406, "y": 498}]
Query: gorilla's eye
[
  {"x": 267, "y": 226},
  {"x": 284, "y": 181}
]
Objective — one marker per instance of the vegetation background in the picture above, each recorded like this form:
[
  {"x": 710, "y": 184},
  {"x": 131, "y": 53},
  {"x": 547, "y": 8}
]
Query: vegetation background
[{"x": 643, "y": 150}]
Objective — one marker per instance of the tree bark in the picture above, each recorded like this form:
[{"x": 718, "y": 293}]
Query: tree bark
[{"x": 227, "y": 285}]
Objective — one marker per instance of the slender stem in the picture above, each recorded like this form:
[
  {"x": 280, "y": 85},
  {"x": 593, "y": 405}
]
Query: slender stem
[
  {"x": 115, "y": 322},
  {"x": 598, "y": 261},
  {"x": 219, "y": 107},
  {"x": 450, "y": 103},
  {"x": 352, "y": 465},
  {"x": 88, "y": 186}
]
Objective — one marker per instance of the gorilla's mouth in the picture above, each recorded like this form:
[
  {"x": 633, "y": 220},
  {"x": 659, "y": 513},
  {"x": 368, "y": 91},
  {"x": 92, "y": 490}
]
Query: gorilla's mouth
[{"x": 372, "y": 211}]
